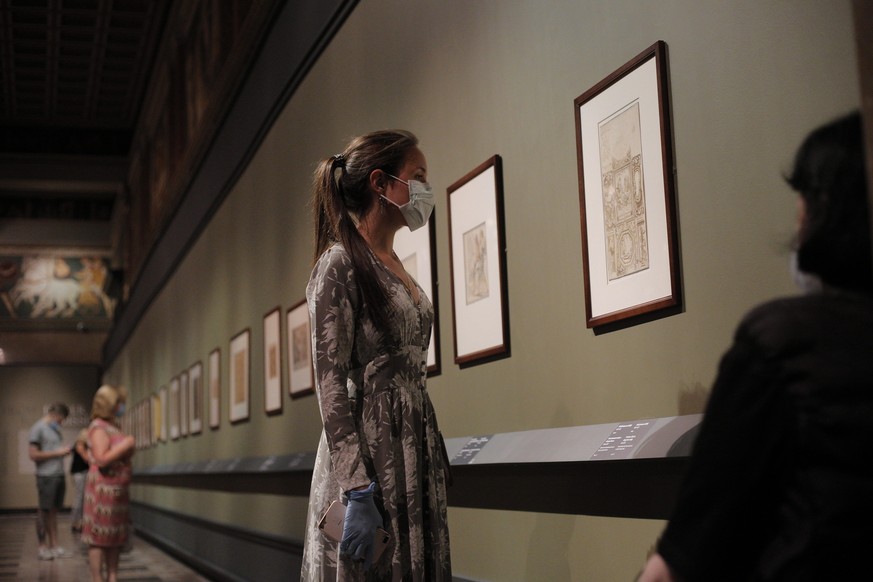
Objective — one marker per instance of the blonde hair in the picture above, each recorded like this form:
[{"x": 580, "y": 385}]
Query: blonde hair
[{"x": 105, "y": 400}]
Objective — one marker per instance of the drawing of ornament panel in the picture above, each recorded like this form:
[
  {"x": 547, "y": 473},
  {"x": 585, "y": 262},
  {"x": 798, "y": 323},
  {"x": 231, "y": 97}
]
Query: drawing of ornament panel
[{"x": 624, "y": 200}]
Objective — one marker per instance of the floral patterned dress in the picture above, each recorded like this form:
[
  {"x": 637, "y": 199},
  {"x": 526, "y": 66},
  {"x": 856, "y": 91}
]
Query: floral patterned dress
[
  {"x": 107, "y": 499},
  {"x": 379, "y": 425}
]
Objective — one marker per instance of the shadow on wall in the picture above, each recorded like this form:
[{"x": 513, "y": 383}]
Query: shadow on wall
[{"x": 692, "y": 398}]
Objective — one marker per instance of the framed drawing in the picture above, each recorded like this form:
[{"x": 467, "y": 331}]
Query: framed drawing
[
  {"x": 239, "y": 376},
  {"x": 164, "y": 402},
  {"x": 480, "y": 306},
  {"x": 183, "y": 403},
  {"x": 156, "y": 418},
  {"x": 147, "y": 421},
  {"x": 215, "y": 388},
  {"x": 195, "y": 398},
  {"x": 301, "y": 377},
  {"x": 626, "y": 192},
  {"x": 273, "y": 361},
  {"x": 417, "y": 251},
  {"x": 175, "y": 408}
]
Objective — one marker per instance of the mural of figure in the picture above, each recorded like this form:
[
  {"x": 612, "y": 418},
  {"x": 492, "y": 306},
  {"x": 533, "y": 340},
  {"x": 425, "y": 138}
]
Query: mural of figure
[{"x": 47, "y": 287}]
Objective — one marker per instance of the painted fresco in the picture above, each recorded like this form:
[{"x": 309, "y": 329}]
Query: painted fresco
[{"x": 50, "y": 288}]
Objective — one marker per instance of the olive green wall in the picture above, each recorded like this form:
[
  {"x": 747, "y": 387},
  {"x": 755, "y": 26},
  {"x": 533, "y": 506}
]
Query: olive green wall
[{"x": 474, "y": 78}]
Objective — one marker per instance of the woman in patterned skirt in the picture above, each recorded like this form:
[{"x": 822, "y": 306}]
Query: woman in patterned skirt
[
  {"x": 381, "y": 452},
  {"x": 105, "y": 526}
]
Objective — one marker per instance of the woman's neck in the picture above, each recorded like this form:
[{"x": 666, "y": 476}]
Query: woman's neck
[{"x": 378, "y": 233}]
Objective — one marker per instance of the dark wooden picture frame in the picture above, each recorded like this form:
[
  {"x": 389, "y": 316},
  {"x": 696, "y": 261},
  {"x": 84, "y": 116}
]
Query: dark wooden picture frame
[
  {"x": 195, "y": 398},
  {"x": 184, "y": 415},
  {"x": 301, "y": 373},
  {"x": 240, "y": 392},
  {"x": 477, "y": 253},
  {"x": 273, "y": 396},
  {"x": 215, "y": 388},
  {"x": 164, "y": 399},
  {"x": 627, "y": 199},
  {"x": 174, "y": 409}
]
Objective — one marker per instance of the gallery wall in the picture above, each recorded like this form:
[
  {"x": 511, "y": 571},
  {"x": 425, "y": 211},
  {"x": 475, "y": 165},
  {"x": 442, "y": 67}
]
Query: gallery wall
[{"x": 475, "y": 79}]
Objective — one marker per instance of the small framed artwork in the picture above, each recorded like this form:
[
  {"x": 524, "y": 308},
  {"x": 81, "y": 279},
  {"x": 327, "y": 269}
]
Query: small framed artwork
[
  {"x": 164, "y": 405},
  {"x": 183, "y": 402},
  {"x": 240, "y": 359},
  {"x": 417, "y": 251},
  {"x": 157, "y": 412},
  {"x": 480, "y": 306},
  {"x": 301, "y": 377},
  {"x": 175, "y": 408},
  {"x": 195, "y": 398},
  {"x": 273, "y": 361},
  {"x": 147, "y": 421},
  {"x": 630, "y": 251},
  {"x": 215, "y": 388}
]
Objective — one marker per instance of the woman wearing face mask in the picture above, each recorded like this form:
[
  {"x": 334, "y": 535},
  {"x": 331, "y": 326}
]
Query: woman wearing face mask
[
  {"x": 381, "y": 452},
  {"x": 779, "y": 484},
  {"x": 106, "y": 523}
]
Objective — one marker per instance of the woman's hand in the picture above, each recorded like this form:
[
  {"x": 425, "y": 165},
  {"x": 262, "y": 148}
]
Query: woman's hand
[{"x": 359, "y": 528}]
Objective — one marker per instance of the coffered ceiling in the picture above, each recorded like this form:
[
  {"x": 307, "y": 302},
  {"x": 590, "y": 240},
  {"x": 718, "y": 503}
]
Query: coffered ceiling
[
  {"x": 123, "y": 123},
  {"x": 73, "y": 75}
]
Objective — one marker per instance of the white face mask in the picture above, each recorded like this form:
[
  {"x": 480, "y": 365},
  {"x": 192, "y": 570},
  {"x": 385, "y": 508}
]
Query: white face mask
[
  {"x": 806, "y": 282},
  {"x": 417, "y": 211}
]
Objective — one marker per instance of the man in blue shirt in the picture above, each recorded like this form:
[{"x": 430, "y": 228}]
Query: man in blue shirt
[{"x": 47, "y": 450}]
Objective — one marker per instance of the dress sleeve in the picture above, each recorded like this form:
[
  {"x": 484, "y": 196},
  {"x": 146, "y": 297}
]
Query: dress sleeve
[
  {"x": 726, "y": 506},
  {"x": 334, "y": 307}
]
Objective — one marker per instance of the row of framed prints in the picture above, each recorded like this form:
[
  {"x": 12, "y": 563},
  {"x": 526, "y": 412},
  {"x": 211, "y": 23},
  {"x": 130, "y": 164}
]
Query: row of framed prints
[{"x": 193, "y": 398}]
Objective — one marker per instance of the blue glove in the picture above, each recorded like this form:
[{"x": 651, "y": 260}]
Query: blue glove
[{"x": 359, "y": 528}]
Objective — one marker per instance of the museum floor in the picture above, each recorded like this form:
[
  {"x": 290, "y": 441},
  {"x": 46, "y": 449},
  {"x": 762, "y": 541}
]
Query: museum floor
[{"x": 18, "y": 557}]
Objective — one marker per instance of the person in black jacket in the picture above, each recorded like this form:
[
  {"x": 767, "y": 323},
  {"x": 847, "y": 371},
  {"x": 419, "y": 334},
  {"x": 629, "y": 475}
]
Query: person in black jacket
[
  {"x": 79, "y": 471},
  {"x": 780, "y": 484}
]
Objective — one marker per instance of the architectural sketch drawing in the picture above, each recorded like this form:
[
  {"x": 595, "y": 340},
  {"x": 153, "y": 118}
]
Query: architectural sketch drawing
[
  {"x": 273, "y": 359},
  {"x": 239, "y": 384},
  {"x": 476, "y": 264},
  {"x": 300, "y": 347},
  {"x": 624, "y": 201}
]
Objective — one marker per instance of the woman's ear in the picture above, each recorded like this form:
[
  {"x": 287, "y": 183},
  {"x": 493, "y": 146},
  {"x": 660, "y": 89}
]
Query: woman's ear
[{"x": 377, "y": 181}]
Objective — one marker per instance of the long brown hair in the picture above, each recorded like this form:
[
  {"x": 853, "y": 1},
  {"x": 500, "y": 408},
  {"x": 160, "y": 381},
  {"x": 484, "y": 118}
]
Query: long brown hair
[{"x": 342, "y": 190}]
